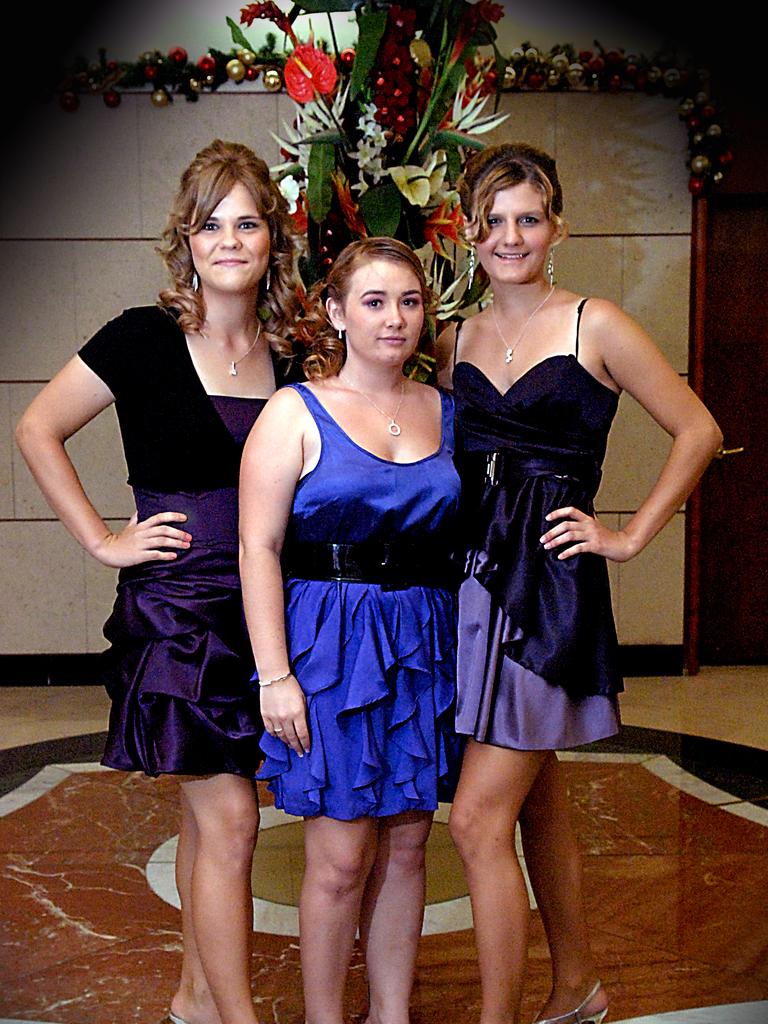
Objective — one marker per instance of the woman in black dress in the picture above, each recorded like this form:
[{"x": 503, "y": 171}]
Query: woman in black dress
[
  {"x": 536, "y": 378},
  {"x": 188, "y": 378}
]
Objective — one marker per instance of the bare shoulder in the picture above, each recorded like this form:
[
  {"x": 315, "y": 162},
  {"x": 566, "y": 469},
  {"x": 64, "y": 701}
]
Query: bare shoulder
[
  {"x": 604, "y": 318},
  {"x": 444, "y": 346}
]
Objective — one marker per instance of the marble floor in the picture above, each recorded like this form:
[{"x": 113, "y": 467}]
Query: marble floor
[{"x": 672, "y": 817}]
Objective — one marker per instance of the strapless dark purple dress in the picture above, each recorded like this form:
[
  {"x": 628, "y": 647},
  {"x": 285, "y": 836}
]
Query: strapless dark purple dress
[
  {"x": 538, "y": 664},
  {"x": 179, "y": 663}
]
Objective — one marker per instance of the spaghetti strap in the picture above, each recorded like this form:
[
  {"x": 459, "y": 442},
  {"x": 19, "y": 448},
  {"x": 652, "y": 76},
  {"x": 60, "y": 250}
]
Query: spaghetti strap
[
  {"x": 578, "y": 324},
  {"x": 459, "y": 325}
]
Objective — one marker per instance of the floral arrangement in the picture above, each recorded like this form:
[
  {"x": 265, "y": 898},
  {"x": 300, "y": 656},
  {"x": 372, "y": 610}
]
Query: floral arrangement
[{"x": 380, "y": 133}]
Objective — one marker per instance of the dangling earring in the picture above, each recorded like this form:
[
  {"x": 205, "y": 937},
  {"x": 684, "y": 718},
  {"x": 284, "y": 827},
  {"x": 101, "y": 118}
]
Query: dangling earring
[
  {"x": 268, "y": 276},
  {"x": 471, "y": 268},
  {"x": 195, "y": 281},
  {"x": 340, "y": 332},
  {"x": 551, "y": 269}
]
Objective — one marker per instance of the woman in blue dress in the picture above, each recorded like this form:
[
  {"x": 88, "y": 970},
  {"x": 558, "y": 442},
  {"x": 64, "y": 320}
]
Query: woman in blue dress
[
  {"x": 348, "y": 485},
  {"x": 537, "y": 376}
]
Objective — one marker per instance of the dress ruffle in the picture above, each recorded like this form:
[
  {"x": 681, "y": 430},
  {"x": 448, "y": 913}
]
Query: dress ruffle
[
  {"x": 178, "y": 669},
  {"x": 380, "y": 704}
]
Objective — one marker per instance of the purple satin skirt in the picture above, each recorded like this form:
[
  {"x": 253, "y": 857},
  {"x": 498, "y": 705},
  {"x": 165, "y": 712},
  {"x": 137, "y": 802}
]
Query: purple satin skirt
[
  {"x": 179, "y": 663},
  {"x": 502, "y": 703}
]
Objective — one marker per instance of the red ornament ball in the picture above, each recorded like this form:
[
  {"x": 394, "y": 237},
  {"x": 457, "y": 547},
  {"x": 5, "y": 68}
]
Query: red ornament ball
[
  {"x": 178, "y": 55},
  {"x": 696, "y": 185},
  {"x": 69, "y": 101},
  {"x": 112, "y": 98},
  {"x": 347, "y": 58},
  {"x": 150, "y": 72},
  {"x": 535, "y": 80},
  {"x": 251, "y": 73},
  {"x": 207, "y": 64}
]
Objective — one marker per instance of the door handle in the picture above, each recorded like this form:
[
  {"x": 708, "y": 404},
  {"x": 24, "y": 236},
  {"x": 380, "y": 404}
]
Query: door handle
[{"x": 722, "y": 452}]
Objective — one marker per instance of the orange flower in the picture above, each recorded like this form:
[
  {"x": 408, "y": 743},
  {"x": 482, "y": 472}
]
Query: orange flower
[
  {"x": 299, "y": 215},
  {"x": 308, "y": 70},
  {"x": 349, "y": 208},
  {"x": 445, "y": 221}
]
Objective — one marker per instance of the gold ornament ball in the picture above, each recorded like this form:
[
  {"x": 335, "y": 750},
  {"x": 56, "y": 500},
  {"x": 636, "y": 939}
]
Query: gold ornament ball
[
  {"x": 248, "y": 57},
  {"x": 517, "y": 53},
  {"x": 532, "y": 54},
  {"x": 421, "y": 53},
  {"x": 209, "y": 80},
  {"x": 686, "y": 107},
  {"x": 702, "y": 97},
  {"x": 697, "y": 138},
  {"x": 671, "y": 78},
  {"x": 714, "y": 131},
  {"x": 717, "y": 177},
  {"x": 575, "y": 74},
  {"x": 560, "y": 62},
  {"x": 553, "y": 78},
  {"x": 160, "y": 98},
  {"x": 272, "y": 80},
  {"x": 654, "y": 74},
  {"x": 510, "y": 76},
  {"x": 700, "y": 164},
  {"x": 195, "y": 84},
  {"x": 235, "y": 70}
]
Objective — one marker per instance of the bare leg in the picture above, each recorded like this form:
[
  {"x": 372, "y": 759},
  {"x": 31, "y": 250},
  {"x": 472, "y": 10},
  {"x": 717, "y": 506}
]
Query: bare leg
[
  {"x": 339, "y": 856},
  {"x": 223, "y": 813},
  {"x": 393, "y": 913},
  {"x": 493, "y": 786},
  {"x": 554, "y": 867},
  {"x": 193, "y": 1000}
]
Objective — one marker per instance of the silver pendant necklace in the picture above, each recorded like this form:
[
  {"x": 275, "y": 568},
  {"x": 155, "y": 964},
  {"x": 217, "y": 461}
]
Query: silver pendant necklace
[
  {"x": 233, "y": 362},
  {"x": 392, "y": 426},
  {"x": 509, "y": 350}
]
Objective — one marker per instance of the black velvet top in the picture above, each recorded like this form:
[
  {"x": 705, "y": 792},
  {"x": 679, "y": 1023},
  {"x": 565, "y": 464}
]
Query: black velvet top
[{"x": 173, "y": 437}]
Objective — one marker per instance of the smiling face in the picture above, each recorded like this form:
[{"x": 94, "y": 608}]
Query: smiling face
[
  {"x": 520, "y": 236},
  {"x": 231, "y": 249},
  {"x": 382, "y": 313}
]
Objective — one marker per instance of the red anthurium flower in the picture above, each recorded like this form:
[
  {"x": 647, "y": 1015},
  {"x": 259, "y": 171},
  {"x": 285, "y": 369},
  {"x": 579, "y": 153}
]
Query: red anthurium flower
[
  {"x": 308, "y": 70},
  {"x": 271, "y": 12},
  {"x": 445, "y": 221}
]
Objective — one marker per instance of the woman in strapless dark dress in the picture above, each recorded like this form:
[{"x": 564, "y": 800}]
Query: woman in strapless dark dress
[
  {"x": 537, "y": 377},
  {"x": 188, "y": 377}
]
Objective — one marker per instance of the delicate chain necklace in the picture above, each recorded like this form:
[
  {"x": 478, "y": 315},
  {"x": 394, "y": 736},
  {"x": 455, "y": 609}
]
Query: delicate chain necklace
[
  {"x": 510, "y": 349},
  {"x": 393, "y": 426},
  {"x": 233, "y": 362}
]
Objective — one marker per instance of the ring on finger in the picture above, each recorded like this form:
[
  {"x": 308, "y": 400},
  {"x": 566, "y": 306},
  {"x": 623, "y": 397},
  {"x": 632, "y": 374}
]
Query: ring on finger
[{"x": 277, "y": 730}]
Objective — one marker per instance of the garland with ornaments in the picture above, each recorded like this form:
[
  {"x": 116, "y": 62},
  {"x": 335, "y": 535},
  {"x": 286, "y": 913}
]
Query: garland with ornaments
[{"x": 525, "y": 69}]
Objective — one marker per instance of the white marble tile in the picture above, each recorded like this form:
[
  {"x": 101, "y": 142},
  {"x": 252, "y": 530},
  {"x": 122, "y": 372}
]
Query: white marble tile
[
  {"x": 170, "y": 137},
  {"x": 79, "y": 175},
  {"x": 637, "y": 450},
  {"x": 6, "y": 453},
  {"x": 750, "y": 812},
  {"x": 37, "y": 293},
  {"x": 651, "y": 589},
  {"x": 100, "y": 585},
  {"x": 531, "y": 119},
  {"x": 37, "y": 786},
  {"x": 623, "y": 159},
  {"x": 42, "y": 590},
  {"x": 656, "y": 291},
  {"x": 681, "y": 779},
  {"x": 732, "y": 1013},
  {"x": 591, "y": 266}
]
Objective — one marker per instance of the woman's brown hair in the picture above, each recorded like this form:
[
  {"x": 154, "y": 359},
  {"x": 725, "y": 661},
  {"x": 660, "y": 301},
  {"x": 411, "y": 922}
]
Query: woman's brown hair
[{"x": 210, "y": 177}]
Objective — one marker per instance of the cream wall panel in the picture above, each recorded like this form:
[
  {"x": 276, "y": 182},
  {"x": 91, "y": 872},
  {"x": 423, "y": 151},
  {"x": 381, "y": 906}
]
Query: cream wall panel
[
  {"x": 100, "y": 584},
  {"x": 79, "y": 174},
  {"x": 110, "y": 277},
  {"x": 651, "y": 589},
  {"x": 590, "y": 266},
  {"x": 97, "y": 453},
  {"x": 531, "y": 119},
  {"x": 170, "y": 137},
  {"x": 622, "y": 163},
  {"x": 37, "y": 295},
  {"x": 6, "y": 454},
  {"x": 656, "y": 288},
  {"x": 637, "y": 450},
  {"x": 42, "y": 590}
]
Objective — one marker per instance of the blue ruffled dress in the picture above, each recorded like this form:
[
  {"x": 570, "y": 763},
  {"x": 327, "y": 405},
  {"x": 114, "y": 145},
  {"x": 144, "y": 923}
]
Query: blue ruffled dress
[{"x": 377, "y": 664}]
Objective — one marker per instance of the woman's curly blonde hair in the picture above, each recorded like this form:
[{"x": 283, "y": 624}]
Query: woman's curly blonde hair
[
  {"x": 210, "y": 177},
  {"x": 326, "y": 351}
]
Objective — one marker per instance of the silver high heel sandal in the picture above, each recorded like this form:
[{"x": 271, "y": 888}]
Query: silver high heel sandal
[{"x": 578, "y": 1016}]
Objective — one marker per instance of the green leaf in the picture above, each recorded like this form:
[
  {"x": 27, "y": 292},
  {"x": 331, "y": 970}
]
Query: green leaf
[
  {"x": 381, "y": 207},
  {"x": 322, "y": 160},
  {"x": 447, "y": 139},
  {"x": 237, "y": 36},
  {"x": 370, "y": 30},
  {"x": 331, "y": 136}
]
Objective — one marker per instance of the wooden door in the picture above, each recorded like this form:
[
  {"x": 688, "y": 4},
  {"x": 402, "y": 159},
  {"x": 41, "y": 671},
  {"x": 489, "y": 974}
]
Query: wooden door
[{"x": 733, "y": 524}]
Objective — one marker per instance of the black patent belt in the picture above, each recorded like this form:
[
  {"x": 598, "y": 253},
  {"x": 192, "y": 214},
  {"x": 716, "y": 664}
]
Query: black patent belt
[
  {"x": 392, "y": 565},
  {"x": 508, "y": 463}
]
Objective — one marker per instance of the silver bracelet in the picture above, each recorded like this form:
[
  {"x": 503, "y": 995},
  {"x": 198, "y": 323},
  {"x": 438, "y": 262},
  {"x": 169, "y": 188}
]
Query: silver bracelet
[{"x": 278, "y": 679}]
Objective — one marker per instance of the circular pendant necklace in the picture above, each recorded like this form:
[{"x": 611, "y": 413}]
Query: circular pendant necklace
[
  {"x": 392, "y": 426},
  {"x": 509, "y": 350}
]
